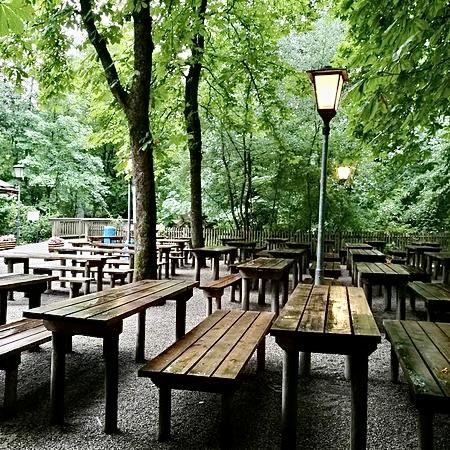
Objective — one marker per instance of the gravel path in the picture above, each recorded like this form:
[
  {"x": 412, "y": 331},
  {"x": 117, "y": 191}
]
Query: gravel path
[{"x": 324, "y": 399}]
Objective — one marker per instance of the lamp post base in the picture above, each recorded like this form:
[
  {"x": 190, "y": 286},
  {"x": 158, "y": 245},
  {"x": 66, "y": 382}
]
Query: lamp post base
[{"x": 318, "y": 276}]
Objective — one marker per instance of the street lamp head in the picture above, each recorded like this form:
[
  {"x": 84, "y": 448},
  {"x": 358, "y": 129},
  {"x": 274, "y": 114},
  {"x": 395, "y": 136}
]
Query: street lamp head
[
  {"x": 19, "y": 171},
  {"x": 327, "y": 83},
  {"x": 343, "y": 173}
]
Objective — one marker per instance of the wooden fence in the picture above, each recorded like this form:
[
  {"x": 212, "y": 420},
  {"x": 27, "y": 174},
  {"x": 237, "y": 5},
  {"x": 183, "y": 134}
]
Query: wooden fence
[{"x": 73, "y": 227}]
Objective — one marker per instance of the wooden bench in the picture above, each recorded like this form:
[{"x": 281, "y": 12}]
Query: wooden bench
[
  {"x": 435, "y": 295},
  {"x": 210, "y": 358},
  {"x": 215, "y": 289},
  {"x": 75, "y": 284},
  {"x": 330, "y": 269},
  {"x": 331, "y": 257},
  {"x": 423, "y": 351},
  {"x": 16, "y": 337}
]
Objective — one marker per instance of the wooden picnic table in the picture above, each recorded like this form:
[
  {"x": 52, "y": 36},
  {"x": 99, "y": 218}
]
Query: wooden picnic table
[
  {"x": 101, "y": 315},
  {"x": 435, "y": 295},
  {"x": 243, "y": 247},
  {"x": 214, "y": 253},
  {"x": 362, "y": 255},
  {"x": 274, "y": 269},
  {"x": 274, "y": 242},
  {"x": 300, "y": 255},
  {"x": 225, "y": 240},
  {"x": 89, "y": 261},
  {"x": 387, "y": 275},
  {"x": 441, "y": 259},
  {"x": 164, "y": 254},
  {"x": 379, "y": 244},
  {"x": 325, "y": 319},
  {"x": 416, "y": 252},
  {"x": 35, "y": 285}
]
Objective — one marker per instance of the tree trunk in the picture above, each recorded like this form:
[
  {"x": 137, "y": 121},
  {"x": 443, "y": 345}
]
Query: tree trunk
[{"x": 193, "y": 129}]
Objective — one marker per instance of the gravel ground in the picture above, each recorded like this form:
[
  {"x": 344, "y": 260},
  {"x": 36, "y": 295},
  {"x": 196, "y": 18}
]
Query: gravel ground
[{"x": 323, "y": 402}]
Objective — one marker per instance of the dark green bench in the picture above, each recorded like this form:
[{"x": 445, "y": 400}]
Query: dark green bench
[{"x": 423, "y": 351}]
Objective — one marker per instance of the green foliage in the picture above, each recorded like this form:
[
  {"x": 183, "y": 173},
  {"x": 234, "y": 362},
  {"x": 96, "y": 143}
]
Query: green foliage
[
  {"x": 7, "y": 214},
  {"x": 13, "y": 13},
  {"x": 399, "y": 55}
]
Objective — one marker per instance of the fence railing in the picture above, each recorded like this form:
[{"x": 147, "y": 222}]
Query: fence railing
[{"x": 78, "y": 227}]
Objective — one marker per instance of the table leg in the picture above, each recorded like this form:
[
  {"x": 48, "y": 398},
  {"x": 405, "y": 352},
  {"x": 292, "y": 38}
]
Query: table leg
[
  {"x": 10, "y": 270},
  {"x": 3, "y": 306},
  {"x": 165, "y": 394},
  {"x": 111, "y": 353},
  {"x": 289, "y": 399},
  {"x": 197, "y": 267},
  {"x": 276, "y": 297},
  {"x": 401, "y": 309},
  {"x": 295, "y": 274},
  {"x": 359, "y": 375},
  {"x": 394, "y": 366},
  {"x": 246, "y": 294},
  {"x": 445, "y": 272},
  {"x": 34, "y": 300},
  {"x": 58, "y": 370},
  {"x": 261, "y": 292},
  {"x": 100, "y": 277},
  {"x": 167, "y": 265},
  {"x": 425, "y": 429},
  {"x": 140, "y": 338},
  {"x": 215, "y": 267},
  {"x": 180, "y": 318},
  {"x": 11, "y": 368},
  {"x": 368, "y": 291},
  {"x": 387, "y": 297},
  {"x": 429, "y": 264},
  {"x": 305, "y": 364},
  {"x": 285, "y": 296}
]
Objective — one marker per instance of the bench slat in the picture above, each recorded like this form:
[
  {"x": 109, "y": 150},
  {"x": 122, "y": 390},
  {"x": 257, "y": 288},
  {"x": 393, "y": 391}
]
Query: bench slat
[
  {"x": 169, "y": 355},
  {"x": 295, "y": 307},
  {"x": 419, "y": 378},
  {"x": 241, "y": 353},
  {"x": 222, "y": 282},
  {"x": 195, "y": 352},
  {"x": 431, "y": 355},
  {"x": 16, "y": 327},
  {"x": 216, "y": 354},
  {"x": 314, "y": 314},
  {"x": 362, "y": 318},
  {"x": 26, "y": 342},
  {"x": 338, "y": 317}
]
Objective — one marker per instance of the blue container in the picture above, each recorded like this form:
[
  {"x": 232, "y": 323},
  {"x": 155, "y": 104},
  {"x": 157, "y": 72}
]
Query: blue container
[{"x": 108, "y": 231}]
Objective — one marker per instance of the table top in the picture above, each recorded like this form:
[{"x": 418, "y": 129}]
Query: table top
[
  {"x": 276, "y": 239},
  {"x": 111, "y": 245},
  {"x": 266, "y": 265},
  {"x": 98, "y": 250},
  {"x": 240, "y": 244},
  {"x": 112, "y": 305},
  {"x": 362, "y": 245},
  {"x": 220, "y": 250},
  {"x": 10, "y": 281},
  {"x": 429, "y": 248},
  {"x": 426, "y": 243},
  {"x": 287, "y": 252},
  {"x": 443, "y": 256},
  {"x": 365, "y": 252},
  {"x": 53, "y": 256},
  {"x": 375, "y": 241},
  {"x": 431, "y": 291},
  {"x": 333, "y": 318},
  {"x": 382, "y": 269},
  {"x": 292, "y": 244}
]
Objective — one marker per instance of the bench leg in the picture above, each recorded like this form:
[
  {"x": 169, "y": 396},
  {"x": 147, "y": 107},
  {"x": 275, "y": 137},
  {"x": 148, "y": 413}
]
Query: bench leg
[
  {"x": 218, "y": 302},
  {"x": 233, "y": 293},
  {"x": 425, "y": 429},
  {"x": 140, "y": 338},
  {"x": 164, "y": 412},
  {"x": 180, "y": 317},
  {"x": 111, "y": 346},
  {"x": 412, "y": 301},
  {"x": 401, "y": 312},
  {"x": 11, "y": 367},
  {"x": 261, "y": 355},
  {"x": 112, "y": 281},
  {"x": 246, "y": 293},
  {"x": 289, "y": 400},
  {"x": 225, "y": 426},
  {"x": 3, "y": 306},
  {"x": 305, "y": 364},
  {"x": 387, "y": 297},
  {"x": 34, "y": 300},
  {"x": 394, "y": 366},
  {"x": 209, "y": 306},
  {"x": 276, "y": 297},
  {"x": 57, "y": 378},
  {"x": 359, "y": 376},
  {"x": 261, "y": 292},
  {"x": 69, "y": 343}
]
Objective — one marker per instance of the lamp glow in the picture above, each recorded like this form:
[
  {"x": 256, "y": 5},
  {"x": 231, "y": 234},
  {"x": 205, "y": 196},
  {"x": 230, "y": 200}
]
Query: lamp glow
[{"x": 343, "y": 173}]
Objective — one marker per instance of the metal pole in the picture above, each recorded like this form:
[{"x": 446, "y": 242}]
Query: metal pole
[
  {"x": 318, "y": 278},
  {"x": 129, "y": 213},
  {"x": 18, "y": 214}
]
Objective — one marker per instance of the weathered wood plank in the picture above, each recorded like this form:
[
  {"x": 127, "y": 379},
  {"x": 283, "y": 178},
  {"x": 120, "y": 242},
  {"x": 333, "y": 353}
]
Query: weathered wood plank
[
  {"x": 361, "y": 316},
  {"x": 241, "y": 353},
  {"x": 338, "y": 317},
  {"x": 313, "y": 318}
]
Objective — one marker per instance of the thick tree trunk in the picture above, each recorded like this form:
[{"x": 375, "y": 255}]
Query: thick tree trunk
[{"x": 194, "y": 132}]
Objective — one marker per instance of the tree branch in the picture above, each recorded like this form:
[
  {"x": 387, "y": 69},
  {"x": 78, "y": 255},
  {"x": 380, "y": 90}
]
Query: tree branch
[{"x": 100, "y": 45}]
